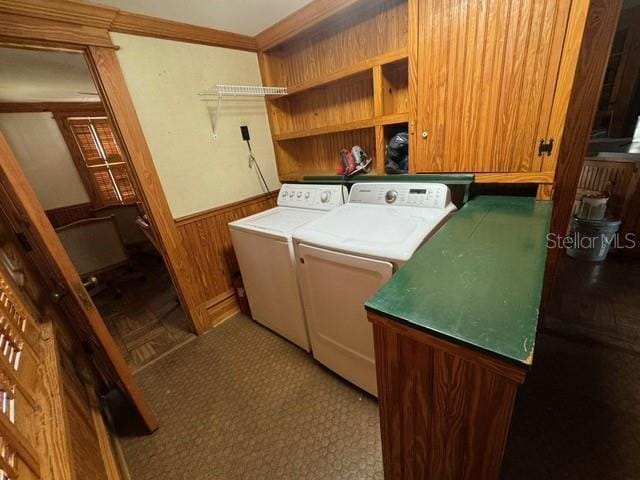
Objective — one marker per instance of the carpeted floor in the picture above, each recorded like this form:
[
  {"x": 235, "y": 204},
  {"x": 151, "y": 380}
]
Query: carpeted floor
[{"x": 241, "y": 403}]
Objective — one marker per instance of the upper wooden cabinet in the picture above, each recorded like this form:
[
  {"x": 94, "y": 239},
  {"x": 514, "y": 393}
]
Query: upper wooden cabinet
[
  {"x": 486, "y": 78},
  {"x": 478, "y": 84}
]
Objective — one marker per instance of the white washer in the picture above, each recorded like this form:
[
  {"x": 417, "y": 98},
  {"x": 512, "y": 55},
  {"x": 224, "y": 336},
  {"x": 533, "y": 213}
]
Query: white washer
[
  {"x": 264, "y": 248},
  {"x": 348, "y": 254}
]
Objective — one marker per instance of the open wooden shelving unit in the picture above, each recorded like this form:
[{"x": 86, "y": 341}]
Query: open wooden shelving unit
[{"x": 345, "y": 88}]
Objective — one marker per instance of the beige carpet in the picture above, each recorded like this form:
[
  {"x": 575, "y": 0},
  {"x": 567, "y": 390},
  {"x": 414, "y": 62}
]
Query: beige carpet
[{"x": 242, "y": 403}]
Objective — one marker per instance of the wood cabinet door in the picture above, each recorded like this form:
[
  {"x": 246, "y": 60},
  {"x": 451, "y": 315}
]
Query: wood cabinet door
[{"x": 487, "y": 72}]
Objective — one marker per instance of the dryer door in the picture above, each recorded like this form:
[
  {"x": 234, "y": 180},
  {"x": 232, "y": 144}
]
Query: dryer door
[{"x": 335, "y": 287}]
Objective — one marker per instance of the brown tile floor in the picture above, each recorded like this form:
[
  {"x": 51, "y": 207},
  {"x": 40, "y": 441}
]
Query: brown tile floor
[
  {"x": 146, "y": 321},
  {"x": 242, "y": 403},
  {"x": 599, "y": 302}
]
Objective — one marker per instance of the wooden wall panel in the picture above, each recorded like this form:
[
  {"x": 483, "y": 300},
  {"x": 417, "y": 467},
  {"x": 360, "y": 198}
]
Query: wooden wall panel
[
  {"x": 207, "y": 239},
  {"x": 619, "y": 178},
  {"x": 487, "y": 73},
  {"x": 445, "y": 409},
  {"x": 300, "y": 21},
  {"x": 362, "y": 31},
  {"x": 87, "y": 457},
  {"x": 321, "y": 154},
  {"x": 72, "y": 213},
  {"x": 350, "y": 100},
  {"x": 395, "y": 88},
  {"x": 600, "y": 26},
  {"x": 68, "y": 445}
]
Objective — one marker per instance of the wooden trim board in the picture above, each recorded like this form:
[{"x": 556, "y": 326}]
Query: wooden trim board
[
  {"x": 222, "y": 307},
  {"x": 111, "y": 84},
  {"x": 55, "y": 107},
  {"x": 600, "y": 27},
  {"x": 43, "y": 31},
  {"x": 136, "y": 24},
  {"x": 92, "y": 24},
  {"x": 522, "y": 177},
  {"x": 300, "y": 21},
  {"x": 77, "y": 13},
  {"x": 194, "y": 217}
]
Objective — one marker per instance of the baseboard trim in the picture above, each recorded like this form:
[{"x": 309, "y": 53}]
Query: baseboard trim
[{"x": 221, "y": 308}]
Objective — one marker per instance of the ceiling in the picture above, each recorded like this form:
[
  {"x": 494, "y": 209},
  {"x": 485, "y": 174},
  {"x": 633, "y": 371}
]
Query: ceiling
[
  {"x": 248, "y": 17},
  {"x": 41, "y": 76}
]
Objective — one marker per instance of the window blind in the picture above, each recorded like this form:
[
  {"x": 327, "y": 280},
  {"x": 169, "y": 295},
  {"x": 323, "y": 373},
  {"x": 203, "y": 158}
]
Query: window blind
[{"x": 103, "y": 160}]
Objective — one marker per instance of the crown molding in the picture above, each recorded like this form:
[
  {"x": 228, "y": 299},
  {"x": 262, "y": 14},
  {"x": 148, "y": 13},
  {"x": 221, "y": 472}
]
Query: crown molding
[
  {"x": 112, "y": 19},
  {"x": 54, "y": 107},
  {"x": 62, "y": 11},
  {"x": 96, "y": 18},
  {"x": 144, "y": 25},
  {"x": 299, "y": 21}
]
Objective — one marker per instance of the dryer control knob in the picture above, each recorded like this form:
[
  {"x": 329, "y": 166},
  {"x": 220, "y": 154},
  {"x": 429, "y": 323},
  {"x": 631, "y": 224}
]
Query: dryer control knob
[
  {"x": 391, "y": 196},
  {"x": 324, "y": 196}
]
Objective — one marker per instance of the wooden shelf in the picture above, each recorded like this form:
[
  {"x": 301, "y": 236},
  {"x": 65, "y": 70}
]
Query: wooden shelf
[
  {"x": 344, "y": 127},
  {"x": 391, "y": 119},
  {"x": 349, "y": 71}
]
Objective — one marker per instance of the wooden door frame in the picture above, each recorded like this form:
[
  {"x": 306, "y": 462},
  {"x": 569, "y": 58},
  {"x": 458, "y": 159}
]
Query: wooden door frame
[
  {"x": 19, "y": 201},
  {"x": 600, "y": 28},
  {"x": 99, "y": 52}
]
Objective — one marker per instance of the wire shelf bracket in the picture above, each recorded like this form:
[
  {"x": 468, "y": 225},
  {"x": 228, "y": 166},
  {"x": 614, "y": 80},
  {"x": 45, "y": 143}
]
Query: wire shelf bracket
[{"x": 220, "y": 91}]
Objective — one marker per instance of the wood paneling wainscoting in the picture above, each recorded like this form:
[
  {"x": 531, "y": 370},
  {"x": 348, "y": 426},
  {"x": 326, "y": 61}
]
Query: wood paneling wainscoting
[
  {"x": 69, "y": 214},
  {"x": 205, "y": 236}
]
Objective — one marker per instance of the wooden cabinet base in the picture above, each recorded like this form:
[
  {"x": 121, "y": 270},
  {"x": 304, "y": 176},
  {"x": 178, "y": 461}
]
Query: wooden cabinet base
[{"x": 445, "y": 410}]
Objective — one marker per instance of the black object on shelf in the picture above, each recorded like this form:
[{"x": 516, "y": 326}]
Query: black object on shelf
[{"x": 396, "y": 156}]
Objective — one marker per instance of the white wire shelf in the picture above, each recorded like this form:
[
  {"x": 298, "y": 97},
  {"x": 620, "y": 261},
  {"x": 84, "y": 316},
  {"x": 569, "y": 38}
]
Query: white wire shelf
[
  {"x": 243, "y": 91},
  {"x": 220, "y": 91}
]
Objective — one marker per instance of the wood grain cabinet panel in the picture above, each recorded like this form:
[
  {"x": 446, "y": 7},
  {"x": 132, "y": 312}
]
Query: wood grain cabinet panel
[
  {"x": 445, "y": 409},
  {"x": 487, "y": 72}
]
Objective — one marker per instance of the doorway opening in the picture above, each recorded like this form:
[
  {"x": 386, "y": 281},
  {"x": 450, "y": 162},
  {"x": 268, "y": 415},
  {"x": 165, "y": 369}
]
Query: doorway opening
[
  {"x": 597, "y": 295},
  {"x": 53, "y": 118}
]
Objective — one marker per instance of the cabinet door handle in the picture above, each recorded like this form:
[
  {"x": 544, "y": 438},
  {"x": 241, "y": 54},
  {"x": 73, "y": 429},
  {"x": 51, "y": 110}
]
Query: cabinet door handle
[{"x": 425, "y": 134}]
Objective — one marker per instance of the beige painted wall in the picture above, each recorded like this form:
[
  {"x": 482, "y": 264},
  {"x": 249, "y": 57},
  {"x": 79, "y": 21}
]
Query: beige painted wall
[
  {"x": 197, "y": 172},
  {"x": 42, "y": 152}
]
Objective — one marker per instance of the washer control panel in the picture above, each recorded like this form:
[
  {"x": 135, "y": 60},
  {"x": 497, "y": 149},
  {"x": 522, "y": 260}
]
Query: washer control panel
[
  {"x": 425, "y": 195},
  {"x": 316, "y": 197}
]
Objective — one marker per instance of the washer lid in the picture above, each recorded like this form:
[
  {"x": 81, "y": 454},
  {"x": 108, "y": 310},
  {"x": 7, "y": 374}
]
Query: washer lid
[
  {"x": 279, "y": 220},
  {"x": 381, "y": 231}
]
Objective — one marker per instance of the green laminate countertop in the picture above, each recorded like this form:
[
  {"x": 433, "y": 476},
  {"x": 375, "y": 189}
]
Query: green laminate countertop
[{"x": 478, "y": 280}]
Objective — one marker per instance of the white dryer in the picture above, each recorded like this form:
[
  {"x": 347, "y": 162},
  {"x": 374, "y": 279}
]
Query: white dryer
[
  {"x": 348, "y": 254},
  {"x": 264, "y": 249}
]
